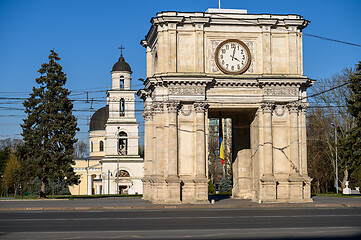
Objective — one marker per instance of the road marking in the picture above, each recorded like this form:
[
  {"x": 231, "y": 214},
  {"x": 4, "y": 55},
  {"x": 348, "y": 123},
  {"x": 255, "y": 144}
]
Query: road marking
[{"x": 169, "y": 218}]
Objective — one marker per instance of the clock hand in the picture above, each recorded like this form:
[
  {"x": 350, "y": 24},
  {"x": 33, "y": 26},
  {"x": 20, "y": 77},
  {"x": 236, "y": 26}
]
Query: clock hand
[
  {"x": 234, "y": 52},
  {"x": 236, "y": 59}
]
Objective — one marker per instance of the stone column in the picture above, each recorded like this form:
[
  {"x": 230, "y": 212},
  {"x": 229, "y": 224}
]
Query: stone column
[
  {"x": 294, "y": 141},
  {"x": 266, "y": 49},
  {"x": 268, "y": 139},
  {"x": 268, "y": 192},
  {"x": 97, "y": 189},
  {"x": 173, "y": 181},
  {"x": 158, "y": 156},
  {"x": 295, "y": 180},
  {"x": 148, "y": 163},
  {"x": 303, "y": 152},
  {"x": 201, "y": 181},
  {"x": 172, "y": 47},
  {"x": 303, "y": 144},
  {"x": 89, "y": 184}
]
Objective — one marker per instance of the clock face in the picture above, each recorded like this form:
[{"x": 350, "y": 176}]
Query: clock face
[{"x": 232, "y": 57}]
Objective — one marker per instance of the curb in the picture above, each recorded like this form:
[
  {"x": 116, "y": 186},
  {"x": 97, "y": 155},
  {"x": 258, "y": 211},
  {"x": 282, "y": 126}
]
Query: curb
[{"x": 339, "y": 205}]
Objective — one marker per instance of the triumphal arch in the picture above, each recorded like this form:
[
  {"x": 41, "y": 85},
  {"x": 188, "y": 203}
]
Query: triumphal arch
[{"x": 247, "y": 67}]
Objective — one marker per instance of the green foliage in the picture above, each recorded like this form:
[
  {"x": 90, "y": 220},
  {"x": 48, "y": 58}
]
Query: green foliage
[
  {"x": 226, "y": 185},
  {"x": 8, "y": 181},
  {"x": 52, "y": 187},
  {"x": 350, "y": 145},
  {"x": 4, "y": 157},
  {"x": 211, "y": 189},
  {"x": 49, "y": 129}
]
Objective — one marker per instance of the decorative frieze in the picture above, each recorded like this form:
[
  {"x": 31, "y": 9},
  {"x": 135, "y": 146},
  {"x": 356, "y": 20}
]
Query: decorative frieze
[
  {"x": 280, "y": 91},
  {"x": 186, "y": 90}
]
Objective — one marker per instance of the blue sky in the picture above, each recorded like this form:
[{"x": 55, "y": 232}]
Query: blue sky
[{"x": 87, "y": 34}]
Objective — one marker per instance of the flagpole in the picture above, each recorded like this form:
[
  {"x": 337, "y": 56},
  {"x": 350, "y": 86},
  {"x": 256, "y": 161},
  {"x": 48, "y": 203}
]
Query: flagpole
[{"x": 219, "y": 4}]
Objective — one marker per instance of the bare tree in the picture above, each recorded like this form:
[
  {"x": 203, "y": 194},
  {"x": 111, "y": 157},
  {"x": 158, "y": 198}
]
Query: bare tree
[
  {"x": 327, "y": 113},
  {"x": 81, "y": 149}
]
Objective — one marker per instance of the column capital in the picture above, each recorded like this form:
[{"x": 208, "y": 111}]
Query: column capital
[
  {"x": 173, "y": 106},
  {"x": 158, "y": 107},
  {"x": 200, "y": 107},
  {"x": 303, "y": 107},
  {"x": 148, "y": 115},
  {"x": 268, "y": 107},
  {"x": 293, "y": 107}
]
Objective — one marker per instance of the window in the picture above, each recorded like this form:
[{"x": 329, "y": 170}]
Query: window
[
  {"x": 123, "y": 173},
  {"x": 122, "y": 143},
  {"x": 122, "y": 107},
  {"x": 121, "y": 82},
  {"x": 91, "y": 146},
  {"x": 101, "y": 146}
]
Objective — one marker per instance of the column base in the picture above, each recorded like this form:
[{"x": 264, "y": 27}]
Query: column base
[
  {"x": 158, "y": 190},
  {"x": 268, "y": 189},
  {"x": 201, "y": 190},
  {"x": 173, "y": 191}
]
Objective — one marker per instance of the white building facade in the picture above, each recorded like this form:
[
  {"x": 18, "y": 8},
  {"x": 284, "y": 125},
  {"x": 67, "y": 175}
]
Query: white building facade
[{"x": 114, "y": 165}]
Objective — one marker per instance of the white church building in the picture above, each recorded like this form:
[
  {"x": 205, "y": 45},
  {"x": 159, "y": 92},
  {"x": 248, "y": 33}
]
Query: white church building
[{"x": 114, "y": 165}]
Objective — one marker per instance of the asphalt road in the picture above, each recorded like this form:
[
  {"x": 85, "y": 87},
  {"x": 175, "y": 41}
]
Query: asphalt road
[{"x": 272, "y": 223}]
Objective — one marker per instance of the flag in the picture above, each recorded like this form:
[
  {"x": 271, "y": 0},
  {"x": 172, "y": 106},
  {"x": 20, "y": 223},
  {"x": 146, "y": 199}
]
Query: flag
[{"x": 221, "y": 144}]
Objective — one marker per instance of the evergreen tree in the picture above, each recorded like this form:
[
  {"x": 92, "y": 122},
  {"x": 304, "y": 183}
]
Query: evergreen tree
[
  {"x": 350, "y": 145},
  {"x": 49, "y": 129}
]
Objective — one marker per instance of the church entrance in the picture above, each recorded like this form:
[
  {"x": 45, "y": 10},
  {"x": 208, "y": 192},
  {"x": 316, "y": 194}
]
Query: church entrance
[
  {"x": 123, "y": 189},
  {"x": 229, "y": 140}
]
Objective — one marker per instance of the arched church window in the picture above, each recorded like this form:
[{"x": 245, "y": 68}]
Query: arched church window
[
  {"x": 123, "y": 173},
  {"x": 121, "y": 82},
  {"x": 122, "y": 107},
  {"x": 123, "y": 143},
  {"x": 101, "y": 146},
  {"x": 91, "y": 146}
]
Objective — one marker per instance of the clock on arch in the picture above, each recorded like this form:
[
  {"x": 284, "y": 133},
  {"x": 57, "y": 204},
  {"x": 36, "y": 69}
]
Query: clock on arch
[{"x": 232, "y": 56}]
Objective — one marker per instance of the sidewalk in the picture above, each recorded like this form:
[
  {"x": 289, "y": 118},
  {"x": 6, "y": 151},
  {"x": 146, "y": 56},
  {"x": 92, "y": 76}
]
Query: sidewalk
[{"x": 118, "y": 203}]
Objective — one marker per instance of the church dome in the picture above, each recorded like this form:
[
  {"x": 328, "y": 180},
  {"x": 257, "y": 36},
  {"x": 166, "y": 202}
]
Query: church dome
[
  {"x": 99, "y": 119},
  {"x": 121, "y": 65}
]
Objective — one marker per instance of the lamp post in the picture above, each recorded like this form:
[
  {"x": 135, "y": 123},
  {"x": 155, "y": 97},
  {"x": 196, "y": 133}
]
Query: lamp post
[
  {"x": 336, "y": 167},
  {"x": 118, "y": 150}
]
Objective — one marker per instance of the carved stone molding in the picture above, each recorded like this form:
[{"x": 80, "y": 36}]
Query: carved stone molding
[
  {"x": 200, "y": 107},
  {"x": 186, "y": 109},
  {"x": 303, "y": 107},
  {"x": 158, "y": 107},
  {"x": 267, "y": 107},
  {"x": 280, "y": 91},
  {"x": 148, "y": 115},
  {"x": 186, "y": 90},
  {"x": 293, "y": 107},
  {"x": 280, "y": 110},
  {"x": 173, "y": 106}
]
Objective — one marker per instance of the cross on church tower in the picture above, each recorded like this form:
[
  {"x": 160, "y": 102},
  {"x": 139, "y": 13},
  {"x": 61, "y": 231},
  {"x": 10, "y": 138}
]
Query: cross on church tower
[{"x": 121, "y": 50}]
